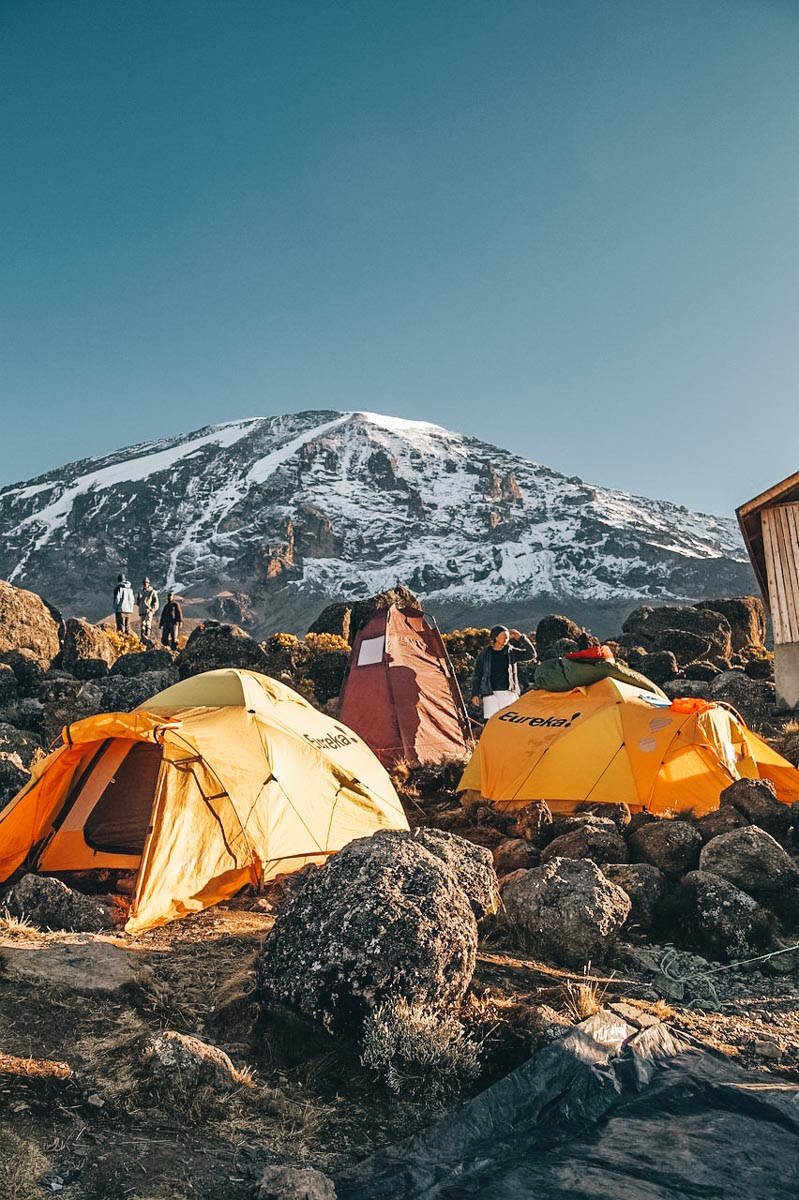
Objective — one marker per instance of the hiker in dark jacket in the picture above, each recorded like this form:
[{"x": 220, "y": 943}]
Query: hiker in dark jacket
[
  {"x": 124, "y": 604},
  {"x": 171, "y": 621},
  {"x": 495, "y": 683}
]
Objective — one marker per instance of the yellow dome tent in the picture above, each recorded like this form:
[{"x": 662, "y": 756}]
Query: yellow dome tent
[
  {"x": 610, "y": 742},
  {"x": 225, "y": 779}
]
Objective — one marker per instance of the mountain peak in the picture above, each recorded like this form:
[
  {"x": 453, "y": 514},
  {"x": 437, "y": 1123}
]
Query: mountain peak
[{"x": 300, "y": 508}]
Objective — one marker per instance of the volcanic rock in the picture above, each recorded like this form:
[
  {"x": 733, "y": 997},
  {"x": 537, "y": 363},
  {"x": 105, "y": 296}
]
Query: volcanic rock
[
  {"x": 383, "y": 919},
  {"x": 181, "y": 1064},
  {"x": 123, "y": 693},
  {"x": 683, "y": 644},
  {"x": 534, "y": 822},
  {"x": 720, "y": 820},
  {"x": 29, "y": 668},
  {"x": 660, "y": 665},
  {"x": 646, "y": 887},
  {"x": 88, "y": 651},
  {"x": 619, "y": 813},
  {"x": 571, "y": 909},
  {"x": 27, "y": 623},
  {"x": 144, "y": 662},
  {"x": 646, "y": 624},
  {"x": 754, "y": 699},
  {"x": 751, "y": 859},
  {"x": 756, "y": 800},
  {"x": 50, "y": 904},
  {"x": 746, "y": 616},
  {"x": 672, "y": 846},
  {"x": 515, "y": 854},
  {"x": 553, "y": 630},
  {"x": 722, "y": 920},
  {"x": 590, "y": 840},
  {"x": 212, "y": 646},
  {"x": 471, "y": 865}
]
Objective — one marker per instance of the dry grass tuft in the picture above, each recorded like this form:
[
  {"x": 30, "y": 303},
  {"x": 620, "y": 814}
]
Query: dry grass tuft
[
  {"x": 584, "y": 997},
  {"x": 18, "y": 928}
]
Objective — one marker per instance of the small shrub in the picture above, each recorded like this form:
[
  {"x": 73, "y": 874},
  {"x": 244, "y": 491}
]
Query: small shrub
[
  {"x": 325, "y": 643},
  {"x": 418, "y": 1055}
]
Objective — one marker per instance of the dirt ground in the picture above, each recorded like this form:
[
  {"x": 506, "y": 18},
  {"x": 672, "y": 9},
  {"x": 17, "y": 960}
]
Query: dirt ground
[{"x": 79, "y": 1116}]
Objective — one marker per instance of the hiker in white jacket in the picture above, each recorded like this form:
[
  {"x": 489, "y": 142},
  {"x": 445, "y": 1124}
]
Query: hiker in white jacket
[{"x": 124, "y": 604}]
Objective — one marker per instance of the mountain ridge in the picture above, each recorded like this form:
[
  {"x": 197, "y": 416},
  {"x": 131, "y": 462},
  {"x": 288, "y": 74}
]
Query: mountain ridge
[{"x": 298, "y": 509}]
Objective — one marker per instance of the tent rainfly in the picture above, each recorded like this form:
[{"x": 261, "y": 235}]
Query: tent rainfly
[
  {"x": 400, "y": 692},
  {"x": 610, "y": 742},
  {"x": 770, "y": 527},
  {"x": 226, "y": 779}
]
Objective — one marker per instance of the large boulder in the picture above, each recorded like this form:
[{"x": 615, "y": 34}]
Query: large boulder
[
  {"x": 672, "y": 846},
  {"x": 123, "y": 693},
  {"x": 646, "y": 624},
  {"x": 212, "y": 646},
  {"x": 720, "y": 820},
  {"x": 28, "y": 623},
  {"x": 619, "y": 813},
  {"x": 589, "y": 840},
  {"x": 551, "y": 631},
  {"x": 50, "y": 904},
  {"x": 88, "y": 650},
  {"x": 85, "y": 700},
  {"x": 658, "y": 665},
  {"x": 472, "y": 866},
  {"x": 515, "y": 854},
  {"x": 646, "y": 887},
  {"x": 754, "y": 699},
  {"x": 683, "y": 644},
  {"x": 143, "y": 663},
  {"x": 384, "y": 919},
  {"x": 722, "y": 920},
  {"x": 571, "y": 909},
  {"x": 29, "y": 669},
  {"x": 746, "y": 616},
  {"x": 756, "y": 801},
  {"x": 751, "y": 859}
]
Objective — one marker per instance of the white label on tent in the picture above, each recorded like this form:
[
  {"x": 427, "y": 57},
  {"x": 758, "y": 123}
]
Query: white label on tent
[{"x": 371, "y": 651}]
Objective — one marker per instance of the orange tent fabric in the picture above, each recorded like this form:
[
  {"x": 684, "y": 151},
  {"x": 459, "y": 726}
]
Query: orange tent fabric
[
  {"x": 401, "y": 694},
  {"x": 225, "y": 779},
  {"x": 612, "y": 742}
]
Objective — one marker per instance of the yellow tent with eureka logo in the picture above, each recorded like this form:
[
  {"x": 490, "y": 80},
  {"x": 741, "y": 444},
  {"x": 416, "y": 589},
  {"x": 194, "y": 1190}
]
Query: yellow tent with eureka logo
[
  {"x": 225, "y": 779},
  {"x": 611, "y": 742}
]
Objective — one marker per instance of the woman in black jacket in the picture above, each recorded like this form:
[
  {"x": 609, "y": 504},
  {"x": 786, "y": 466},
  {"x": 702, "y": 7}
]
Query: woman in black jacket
[{"x": 495, "y": 683}]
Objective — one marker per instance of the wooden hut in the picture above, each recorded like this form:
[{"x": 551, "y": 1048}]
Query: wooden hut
[{"x": 770, "y": 526}]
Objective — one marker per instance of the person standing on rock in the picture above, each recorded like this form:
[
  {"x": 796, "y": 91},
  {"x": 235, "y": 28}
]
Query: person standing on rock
[
  {"x": 495, "y": 683},
  {"x": 124, "y": 604},
  {"x": 147, "y": 600},
  {"x": 171, "y": 621}
]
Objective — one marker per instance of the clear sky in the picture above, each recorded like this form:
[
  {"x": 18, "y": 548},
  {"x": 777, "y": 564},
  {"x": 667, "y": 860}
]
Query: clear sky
[{"x": 570, "y": 227}]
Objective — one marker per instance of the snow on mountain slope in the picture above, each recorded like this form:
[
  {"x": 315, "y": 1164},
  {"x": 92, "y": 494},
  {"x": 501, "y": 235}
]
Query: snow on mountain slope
[{"x": 325, "y": 504}]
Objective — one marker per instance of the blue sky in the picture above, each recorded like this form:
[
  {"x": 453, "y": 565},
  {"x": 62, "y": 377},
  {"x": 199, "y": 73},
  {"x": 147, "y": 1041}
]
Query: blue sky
[{"x": 567, "y": 227}]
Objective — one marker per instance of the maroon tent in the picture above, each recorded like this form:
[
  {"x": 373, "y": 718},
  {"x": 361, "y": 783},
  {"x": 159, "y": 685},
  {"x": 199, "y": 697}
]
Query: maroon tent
[{"x": 400, "y": 693}]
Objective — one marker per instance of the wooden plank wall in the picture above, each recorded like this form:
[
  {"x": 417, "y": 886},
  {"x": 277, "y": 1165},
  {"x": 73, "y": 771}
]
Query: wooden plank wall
[{"x": 781, "y": 545}]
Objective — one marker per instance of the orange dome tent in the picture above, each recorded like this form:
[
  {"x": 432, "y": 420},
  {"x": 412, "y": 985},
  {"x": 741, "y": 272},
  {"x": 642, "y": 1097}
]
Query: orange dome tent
[
  {"x": 612, "y": 742},
  {"x": 225, "y": 779}
]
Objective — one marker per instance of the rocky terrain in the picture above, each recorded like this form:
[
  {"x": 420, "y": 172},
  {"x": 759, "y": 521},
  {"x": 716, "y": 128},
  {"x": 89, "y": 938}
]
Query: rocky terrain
[
  {"x": 262, "y": 1047},
  {"x": 262, "y": 521}
]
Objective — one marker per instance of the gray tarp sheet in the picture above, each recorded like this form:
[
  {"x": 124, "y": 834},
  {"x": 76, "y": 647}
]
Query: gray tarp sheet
[{"x": 606, "y": 1113}]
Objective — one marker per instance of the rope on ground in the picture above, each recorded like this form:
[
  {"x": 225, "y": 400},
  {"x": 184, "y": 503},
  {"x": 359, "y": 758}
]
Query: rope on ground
[{"x": 699, "y": 980}]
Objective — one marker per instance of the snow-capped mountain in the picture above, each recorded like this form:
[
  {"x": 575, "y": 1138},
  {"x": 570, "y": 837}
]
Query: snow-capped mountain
[{"x": 297, "y": 510}]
